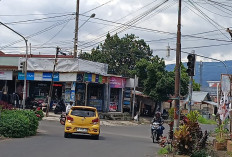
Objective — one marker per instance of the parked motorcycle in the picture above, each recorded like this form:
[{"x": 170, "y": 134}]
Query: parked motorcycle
[
  {"x": 156, "y": 131},
  {"x": 63, "y": 118},
  {"x": 60, "y": 107},
  {"x": 165, "y": 116}
]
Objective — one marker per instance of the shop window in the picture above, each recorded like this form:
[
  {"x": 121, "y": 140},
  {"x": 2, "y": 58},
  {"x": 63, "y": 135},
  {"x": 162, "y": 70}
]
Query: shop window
[{"x": 114, "y": 99}]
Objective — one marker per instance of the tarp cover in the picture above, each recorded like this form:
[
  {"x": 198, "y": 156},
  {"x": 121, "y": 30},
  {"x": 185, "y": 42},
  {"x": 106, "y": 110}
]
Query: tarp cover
[{"x": 65, "y": 65}]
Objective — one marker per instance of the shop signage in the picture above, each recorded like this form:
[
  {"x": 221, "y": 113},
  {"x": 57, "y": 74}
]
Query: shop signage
[
  {"x": 95, "y": 78},
  {"x": 37, "y": 76},
  {"x": 79, "y": 77},
  {"x": 113, "y": 106},
  {"x": 48, "y": 76},
  {"x": 6, "y": 75},
  {"x": 66, "y": 77},
  {"x": 117, "y": 82}
]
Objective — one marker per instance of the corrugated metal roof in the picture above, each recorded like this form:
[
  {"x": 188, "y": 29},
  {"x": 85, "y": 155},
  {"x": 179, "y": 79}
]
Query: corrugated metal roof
[{"x": 199, "y": 96}]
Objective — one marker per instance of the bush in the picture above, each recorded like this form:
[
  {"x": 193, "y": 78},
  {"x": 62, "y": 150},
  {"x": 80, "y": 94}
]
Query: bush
[
  {"x": 34, "y": 123},
  {"x": 18, "y": 123},
  {"x": 201, "y": 153},
  {"x": 39, "y": 114},
  {"x": 163, "y": 151}
]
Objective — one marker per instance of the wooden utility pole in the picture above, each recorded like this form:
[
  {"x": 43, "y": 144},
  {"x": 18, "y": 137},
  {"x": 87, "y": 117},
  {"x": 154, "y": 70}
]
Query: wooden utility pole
[
  {"x": 76, "y": 29},
  {"x": 51, "y": 85},
  {"x": 177, "y": 72}
]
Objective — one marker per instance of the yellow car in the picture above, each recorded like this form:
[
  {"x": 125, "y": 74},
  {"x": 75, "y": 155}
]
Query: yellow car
[{"x": 82, "y": 120}]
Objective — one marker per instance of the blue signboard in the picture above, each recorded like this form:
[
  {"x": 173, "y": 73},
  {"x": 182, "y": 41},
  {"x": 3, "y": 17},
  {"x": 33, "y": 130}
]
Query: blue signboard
[
  {"x": 56, "y": 77},
  {"x": 48, "y": 76},
  {"x": 20, "y": 76},
  {"x": 30, "y": 76}
]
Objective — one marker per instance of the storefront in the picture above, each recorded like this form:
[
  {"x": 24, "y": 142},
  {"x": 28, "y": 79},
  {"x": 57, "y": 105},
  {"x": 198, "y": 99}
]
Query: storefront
[
  {"x": 39, "y": 85},
  {"x": 7, "y": 85},
  {"x": 117, "y": 84},
  {"x": 91, "y": 91}
]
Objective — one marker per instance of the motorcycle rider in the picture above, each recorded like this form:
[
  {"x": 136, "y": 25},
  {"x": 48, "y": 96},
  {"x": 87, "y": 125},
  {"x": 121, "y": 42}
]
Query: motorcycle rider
[
  {"x": 158, "y": 119},
  {"x": 68, "y": 107}
]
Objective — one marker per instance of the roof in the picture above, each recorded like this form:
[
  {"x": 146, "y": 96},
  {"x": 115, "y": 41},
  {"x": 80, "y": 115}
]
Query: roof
[
  {"x": 211, "y": 103},
  {"x": 198, "y": 96}
]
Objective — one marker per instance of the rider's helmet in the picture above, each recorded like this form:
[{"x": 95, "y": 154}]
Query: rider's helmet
[{"x": 157, "y": 114}]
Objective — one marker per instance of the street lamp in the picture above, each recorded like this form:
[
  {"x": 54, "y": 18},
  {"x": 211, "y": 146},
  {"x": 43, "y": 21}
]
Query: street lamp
[
  {"x": 77, "y": 29},
  {"x": 25, "y": 70}
]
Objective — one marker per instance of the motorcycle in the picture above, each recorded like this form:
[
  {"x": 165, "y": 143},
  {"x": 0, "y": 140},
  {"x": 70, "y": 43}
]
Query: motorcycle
[
  {"x": 60, "y": 107},
  {"x": 165, "y": 116},
  {"x": 156, "y": 131},
  {"x": 63, "y": 118}
]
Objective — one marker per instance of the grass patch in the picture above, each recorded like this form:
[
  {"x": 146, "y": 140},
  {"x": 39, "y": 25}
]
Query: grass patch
[
  {"x": 203, "y": 120},
  {"x": 163, "y": 151}
]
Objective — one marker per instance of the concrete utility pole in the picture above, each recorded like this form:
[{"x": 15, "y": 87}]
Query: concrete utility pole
[
  {"x": 201, "y": 66},
  {"x": 177, "y": 72},
  {"x": 25, "y": 66},
  {"x": 133, "y": 105},
  {"x": 51, "y": 85},
  {"x": 76, "y": 28}
]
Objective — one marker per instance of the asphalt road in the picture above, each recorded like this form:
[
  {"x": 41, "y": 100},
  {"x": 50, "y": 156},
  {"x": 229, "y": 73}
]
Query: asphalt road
[{"x": 115, "y": 141}]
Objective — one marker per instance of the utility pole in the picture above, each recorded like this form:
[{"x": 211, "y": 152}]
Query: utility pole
[
  {"x": 177, "y": 72},
  {"x": 76, "y": 29},
  {"x": 51, "y": 85},
  {"x": 201, "y": 66},
  {"x": 133, "y": 105}
]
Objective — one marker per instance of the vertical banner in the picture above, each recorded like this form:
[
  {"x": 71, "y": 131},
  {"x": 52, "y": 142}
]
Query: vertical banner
[
  {"x": 225, "y": 105},
  {"x": 93, "y": 77},
  {"x": 72, "y": 96}
]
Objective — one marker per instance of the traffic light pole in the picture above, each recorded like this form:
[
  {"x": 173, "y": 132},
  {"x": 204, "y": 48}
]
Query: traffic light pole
[
  {"x": 190, "y": 93},
  {"x": 25, "y": 70}
]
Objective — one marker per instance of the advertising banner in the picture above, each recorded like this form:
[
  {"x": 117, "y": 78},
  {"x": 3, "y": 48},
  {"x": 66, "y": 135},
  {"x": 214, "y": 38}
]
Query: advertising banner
[
  {"x": 95, "y": 78},
  {"x": 38, "y": 76},
  {"x": 6, "y": 75},
  {"x": 117, "y": 82}
]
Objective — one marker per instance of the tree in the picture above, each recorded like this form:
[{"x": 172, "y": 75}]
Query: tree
[{"x": 120, "y": 54}]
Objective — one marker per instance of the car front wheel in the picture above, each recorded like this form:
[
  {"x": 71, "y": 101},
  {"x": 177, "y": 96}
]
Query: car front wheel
[{"x": 67, "y": 135}]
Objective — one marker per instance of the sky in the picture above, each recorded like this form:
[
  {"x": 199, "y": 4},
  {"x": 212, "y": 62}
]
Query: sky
[{"x": 51, "y": 23}]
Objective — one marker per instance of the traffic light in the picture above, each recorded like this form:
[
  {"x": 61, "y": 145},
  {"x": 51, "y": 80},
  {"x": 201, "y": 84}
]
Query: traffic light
[
  {"x": 22, "y": 67},
  {"x": 191, "y": 64}
]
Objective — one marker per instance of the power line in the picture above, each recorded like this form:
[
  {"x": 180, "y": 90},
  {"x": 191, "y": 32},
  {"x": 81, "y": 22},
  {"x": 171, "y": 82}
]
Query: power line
[{"x": 25, "y": 21}]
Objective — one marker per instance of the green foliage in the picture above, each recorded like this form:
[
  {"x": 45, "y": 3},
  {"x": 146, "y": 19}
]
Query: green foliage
[
  {"x": 171, "y": 113},
  {"x": 39, "y": 113},
  {"x": 196, "y": 86},
  {"x": 193, "y": 116},
  {"x": 203, "y": 120},
  {"x": 33, "y": 124},
  {"x": 200, "y": 153},
  {"x": 221, "y": 132},
  {"x": 18, "y": 123},
  {"x": 189, "y": 138},
  {"x": 183, "y": 141},
  {"x": 163, "y": 151},
  {"x": 121, "y": 54}
]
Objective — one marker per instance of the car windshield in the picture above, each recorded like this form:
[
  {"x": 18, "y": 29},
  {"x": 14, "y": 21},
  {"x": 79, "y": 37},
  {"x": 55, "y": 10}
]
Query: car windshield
[{"x": 83, "y": 113}]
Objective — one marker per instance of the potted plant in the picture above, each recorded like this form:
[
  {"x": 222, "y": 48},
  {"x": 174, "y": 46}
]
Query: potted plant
[{"x": 220, "y": 143}]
